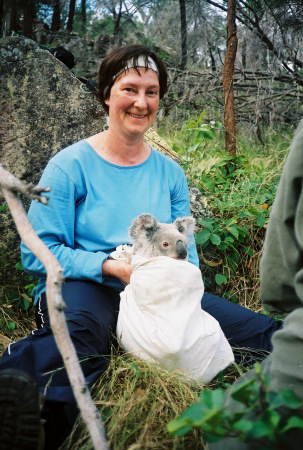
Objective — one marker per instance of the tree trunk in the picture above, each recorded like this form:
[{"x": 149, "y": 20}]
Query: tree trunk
[
  {"x": 228, "y": 70},
  {"x": 83, "y": 13},
  {"x": 71, "y": 15},
  {"x": 55, "y": 26},
  {"x": 29, "y": 14},
  {"x": 243, "y": 53},
  {"x": 117, "y": 19},
  {"x": 14, "y": 16},
  {"x": 183, "y": 35},
  {"x": 1, "y": 19},
  {"x": 212, "y": 58}
]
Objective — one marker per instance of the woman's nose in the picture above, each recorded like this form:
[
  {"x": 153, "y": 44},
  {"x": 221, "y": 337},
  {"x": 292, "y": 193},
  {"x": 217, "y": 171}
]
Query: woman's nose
[{"x": 141, "y": 101}]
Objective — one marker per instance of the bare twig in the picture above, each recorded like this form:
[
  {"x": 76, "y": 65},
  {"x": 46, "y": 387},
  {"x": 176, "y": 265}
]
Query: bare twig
[
  {"x": 10, "y": 186},
  {"x": 13, "y": 184}
]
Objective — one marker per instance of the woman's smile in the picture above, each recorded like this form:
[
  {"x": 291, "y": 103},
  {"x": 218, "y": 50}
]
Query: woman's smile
[{"x": 136, "y": 116}]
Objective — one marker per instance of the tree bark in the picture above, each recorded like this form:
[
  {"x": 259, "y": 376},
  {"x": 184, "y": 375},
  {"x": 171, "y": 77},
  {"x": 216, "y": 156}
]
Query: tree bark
[
  {"x": 71, "y": 15},
  {"x": 83, "y": 13},
  {"x": 228, "y": 71},
  {"x": 14, "y": 16},
  {"x": 117, "y": 20},
  {"x": 55, "y": 303},
  {"x": 29, "y": 15},
  {"x": 1, "y": 19},
  {"x": 183, "y": 35},
  {"x": 56, "y": 18}
]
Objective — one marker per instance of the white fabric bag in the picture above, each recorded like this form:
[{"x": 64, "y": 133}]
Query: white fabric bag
[{"x": 161, "y": 319}]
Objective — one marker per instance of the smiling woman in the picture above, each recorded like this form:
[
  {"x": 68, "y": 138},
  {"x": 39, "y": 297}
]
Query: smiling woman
[
  {"x": 99, "y": 185},
  {"x": 133, "y": 104}
]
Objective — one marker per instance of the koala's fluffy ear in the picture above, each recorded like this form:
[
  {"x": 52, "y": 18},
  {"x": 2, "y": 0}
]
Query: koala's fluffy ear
[
  {"x": 185, "y": 225},
  {"x": 144, "y": 222}
]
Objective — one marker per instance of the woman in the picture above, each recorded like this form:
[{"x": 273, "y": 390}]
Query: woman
[{"x": 98, "y": 186}]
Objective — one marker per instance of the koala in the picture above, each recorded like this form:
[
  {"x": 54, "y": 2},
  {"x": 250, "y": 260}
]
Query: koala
[
  {"x": 151, "y": 238},
  {"x": 160, "y": 317}
]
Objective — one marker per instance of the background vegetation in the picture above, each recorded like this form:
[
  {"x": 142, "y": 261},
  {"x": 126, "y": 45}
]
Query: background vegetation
[{"x": 136, "y": 399}]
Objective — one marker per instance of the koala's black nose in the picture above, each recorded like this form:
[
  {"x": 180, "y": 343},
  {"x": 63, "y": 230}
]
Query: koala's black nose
[{"x": 181, "y": 250}]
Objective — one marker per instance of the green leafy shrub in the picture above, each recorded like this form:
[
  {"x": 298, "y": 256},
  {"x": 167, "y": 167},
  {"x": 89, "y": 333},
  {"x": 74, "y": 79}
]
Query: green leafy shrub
[
  {"x": 240, "y": 190},
  {"x": 260, "y": 420}
]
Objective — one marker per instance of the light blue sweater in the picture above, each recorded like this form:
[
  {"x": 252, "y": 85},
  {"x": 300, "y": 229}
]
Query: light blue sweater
[{"x": 91, "y": 205}]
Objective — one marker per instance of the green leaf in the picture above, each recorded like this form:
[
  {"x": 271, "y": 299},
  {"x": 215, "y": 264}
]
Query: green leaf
[
  {"x": 208, "y": 437},
  {"x": 249, "y": 251},
  {"x": 293, "y": 422},
  {"x": 230, "y": 222},
  {"x": 19, "y": 266},
  {"x": 190, "y": 418},
  {"x": 243, "y": 425},
  {"x": 261, "y": 220},
  {"x": 245, "y": 214},
  {"x": 220, "y": 279},
  {"x": 253, "y": 211},
  {"x": 234, "y": 231},
  {"x": 290, "y": 399},
  {"x": 243, "y": 392},
  {"x": 272, "y": 418},
  {"x": 11, "y": 326},
  {"x": 179, "y": 427},
  {"x": 261, "y": 429},
  {"x": 212, "y": 398},
  {"x": 203, "y": 236},
  {"x": 215, "y": 239},
  {"x": 30, "y": 287},
  {"x": 24, "y": 304},
  {"x": 207, "y": 224}
]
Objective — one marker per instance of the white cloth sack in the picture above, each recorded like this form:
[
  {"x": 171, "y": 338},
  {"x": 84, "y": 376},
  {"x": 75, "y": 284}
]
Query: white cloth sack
[{"x": 161, "y": 319}]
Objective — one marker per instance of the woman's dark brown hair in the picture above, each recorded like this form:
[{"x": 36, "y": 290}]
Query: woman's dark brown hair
[{"x": 116, "y": 61}]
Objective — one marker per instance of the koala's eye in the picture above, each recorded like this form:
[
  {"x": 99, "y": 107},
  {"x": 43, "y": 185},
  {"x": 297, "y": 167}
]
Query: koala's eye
[{"x": 165, "y": 244}]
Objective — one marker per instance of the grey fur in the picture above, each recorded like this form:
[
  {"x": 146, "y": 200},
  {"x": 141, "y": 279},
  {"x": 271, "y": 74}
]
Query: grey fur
[{"x": 151, "y": 238}]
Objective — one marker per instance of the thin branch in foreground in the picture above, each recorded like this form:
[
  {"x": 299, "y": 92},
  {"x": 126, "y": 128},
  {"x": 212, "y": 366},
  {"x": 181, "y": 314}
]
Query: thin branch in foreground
[
  {"x": 10, "y": 186},
  {"x": 13, "y": 184}
]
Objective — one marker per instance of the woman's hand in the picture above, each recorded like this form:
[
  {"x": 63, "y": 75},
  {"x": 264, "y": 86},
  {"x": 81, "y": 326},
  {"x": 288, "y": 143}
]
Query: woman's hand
[{"x": 117, "y": 268}]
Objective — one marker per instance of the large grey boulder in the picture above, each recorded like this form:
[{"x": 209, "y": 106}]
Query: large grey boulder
[{"x": 44, "y": 108}]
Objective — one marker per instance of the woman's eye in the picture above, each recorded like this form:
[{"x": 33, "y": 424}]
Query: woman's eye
[{"x": 153, "y": 93}]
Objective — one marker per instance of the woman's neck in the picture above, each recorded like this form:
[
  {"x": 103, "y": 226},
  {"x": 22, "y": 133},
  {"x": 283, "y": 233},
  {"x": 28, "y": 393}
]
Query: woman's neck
[{"x": 120, "y": 151}]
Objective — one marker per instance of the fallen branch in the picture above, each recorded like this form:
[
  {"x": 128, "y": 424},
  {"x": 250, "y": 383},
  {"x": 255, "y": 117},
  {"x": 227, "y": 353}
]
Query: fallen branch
[{"x": 10, "y": 186}]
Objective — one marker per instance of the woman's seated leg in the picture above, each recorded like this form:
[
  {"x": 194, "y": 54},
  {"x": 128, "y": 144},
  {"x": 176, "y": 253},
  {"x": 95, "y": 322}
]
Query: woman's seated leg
[
  {"x": 248, "y": 332},
  {"x": 91, "y": 314}
]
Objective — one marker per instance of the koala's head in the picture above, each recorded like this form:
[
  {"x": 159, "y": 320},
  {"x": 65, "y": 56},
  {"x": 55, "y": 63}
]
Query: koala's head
[{"x": 151, "y": 238}]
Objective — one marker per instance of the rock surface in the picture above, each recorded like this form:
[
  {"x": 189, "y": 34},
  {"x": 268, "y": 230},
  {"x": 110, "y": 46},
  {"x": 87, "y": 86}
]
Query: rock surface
[{"x": 44, "y": 108}]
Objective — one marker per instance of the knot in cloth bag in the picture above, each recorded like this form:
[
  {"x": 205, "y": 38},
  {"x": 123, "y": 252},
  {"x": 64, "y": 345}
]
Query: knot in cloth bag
[{"x": 161, "y": 320}]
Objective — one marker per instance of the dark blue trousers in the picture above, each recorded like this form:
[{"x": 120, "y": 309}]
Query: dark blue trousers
[{"x": 91, "y": 314}]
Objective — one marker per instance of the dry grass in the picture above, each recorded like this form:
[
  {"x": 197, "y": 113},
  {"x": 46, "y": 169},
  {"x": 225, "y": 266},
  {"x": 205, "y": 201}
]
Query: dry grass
[{"x": 137, "y": 400}]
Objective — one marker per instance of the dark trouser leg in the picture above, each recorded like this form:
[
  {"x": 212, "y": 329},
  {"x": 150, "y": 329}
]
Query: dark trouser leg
[
  {"x": 91, "y": 314},
  {"x": 249, "y": 333}
]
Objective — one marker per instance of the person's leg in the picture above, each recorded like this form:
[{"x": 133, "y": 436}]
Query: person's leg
[
  {"x": 248, "y": 332},
  {"x": 91, "y": 314}
]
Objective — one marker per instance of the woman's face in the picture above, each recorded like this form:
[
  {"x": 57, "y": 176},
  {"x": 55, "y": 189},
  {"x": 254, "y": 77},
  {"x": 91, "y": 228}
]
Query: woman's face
[{"x": 134, "y": 101}]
